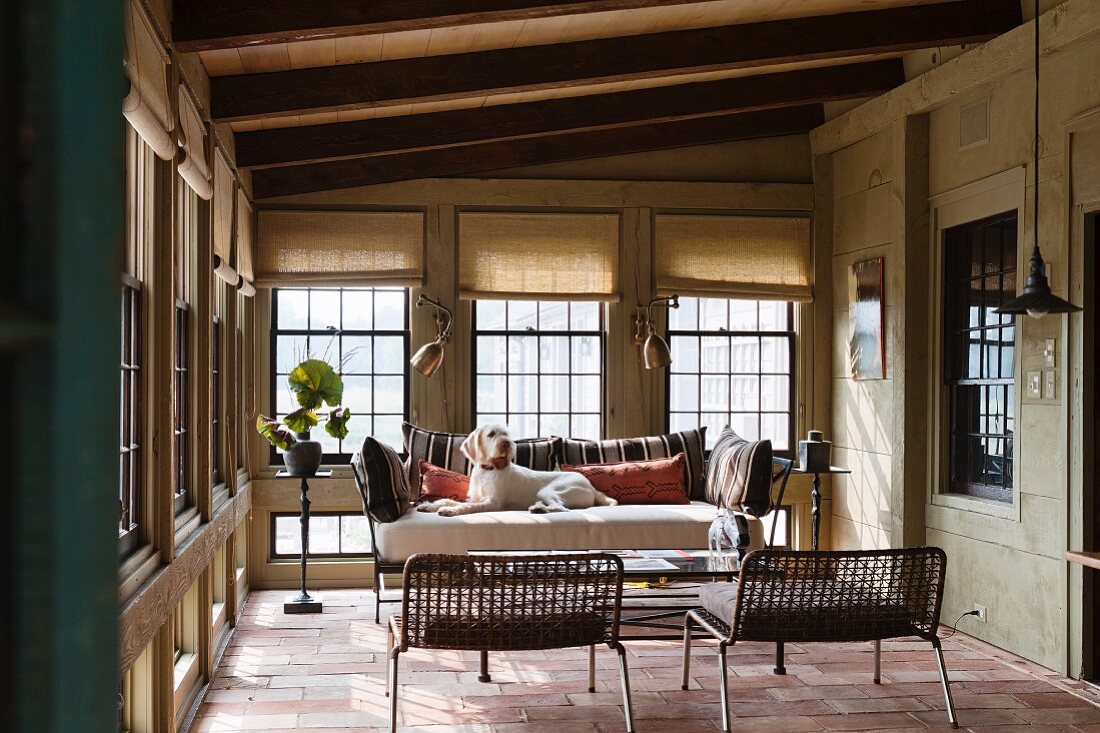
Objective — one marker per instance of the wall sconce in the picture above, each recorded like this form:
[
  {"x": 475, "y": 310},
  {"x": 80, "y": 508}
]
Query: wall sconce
[
  {"x": 655, "y": 351},
  {"x": 429, "y": 357}
]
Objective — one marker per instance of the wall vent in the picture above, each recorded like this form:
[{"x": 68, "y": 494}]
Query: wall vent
[{"x": 974, "y": 124}]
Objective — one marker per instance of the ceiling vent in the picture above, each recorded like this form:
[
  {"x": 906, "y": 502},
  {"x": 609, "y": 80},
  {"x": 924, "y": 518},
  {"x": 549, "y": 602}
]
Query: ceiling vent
[{"x": 974, "y": 124}]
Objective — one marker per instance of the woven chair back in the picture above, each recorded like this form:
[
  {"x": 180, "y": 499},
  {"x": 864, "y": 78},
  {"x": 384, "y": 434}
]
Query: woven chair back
[
  {"x": 507, "y": 603},
  {"x": 839, "y": 596}
]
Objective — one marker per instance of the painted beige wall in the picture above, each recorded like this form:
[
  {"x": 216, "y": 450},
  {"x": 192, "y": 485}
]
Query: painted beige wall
[{"x": 1011, "y": 564}]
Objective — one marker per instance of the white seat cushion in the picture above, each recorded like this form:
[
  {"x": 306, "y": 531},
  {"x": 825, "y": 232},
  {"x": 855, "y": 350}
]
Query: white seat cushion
[{"x": 646, "y": 526}]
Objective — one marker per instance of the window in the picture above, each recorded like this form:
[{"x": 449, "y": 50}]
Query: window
[
  {"x": 215, "y": 402},
  {"x": 140, "y": 170},
  {"x": 539, "y": 367},
  {"x": 980, "y": 355},
  {"x": 331, "y": 534},
  {"x": 242, "y": 418},
  {"x": 732, "y": 363},
  {"x": 364, "y": 334},
  {"x": 181, "y": 399}
]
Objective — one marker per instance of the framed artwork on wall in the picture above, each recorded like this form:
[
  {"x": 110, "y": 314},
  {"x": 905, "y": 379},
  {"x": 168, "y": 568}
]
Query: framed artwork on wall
[{"x": 866, "y": 345}]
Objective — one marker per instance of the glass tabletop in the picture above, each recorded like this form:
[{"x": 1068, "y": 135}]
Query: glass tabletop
[{"x": 649, "y": 563}]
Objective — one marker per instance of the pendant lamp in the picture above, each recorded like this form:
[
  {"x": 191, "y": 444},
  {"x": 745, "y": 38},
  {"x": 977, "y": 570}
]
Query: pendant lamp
[{"x": 1037, "y": 299}]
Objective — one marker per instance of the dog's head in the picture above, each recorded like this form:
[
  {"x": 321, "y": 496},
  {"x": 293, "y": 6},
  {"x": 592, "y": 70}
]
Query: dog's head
[{"x": 489, "y": 446}]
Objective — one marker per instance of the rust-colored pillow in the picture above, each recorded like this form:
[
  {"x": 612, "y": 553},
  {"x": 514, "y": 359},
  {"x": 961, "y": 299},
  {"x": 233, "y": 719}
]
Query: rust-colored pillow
[
  {"x": 659, "y": 481},
  {"x": 438, "y": 483}
]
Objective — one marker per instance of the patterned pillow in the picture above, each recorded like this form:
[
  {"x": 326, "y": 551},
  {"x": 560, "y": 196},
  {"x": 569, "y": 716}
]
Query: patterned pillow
[
  {"x": 689, "y": 442},
  {"x": 740, "y": 474},
  {"x": 381, "y": 479},
  {"x": 660, "y": 481},
  {"x": 438, "y": 483},
  {"x": 443, "y": 450}
]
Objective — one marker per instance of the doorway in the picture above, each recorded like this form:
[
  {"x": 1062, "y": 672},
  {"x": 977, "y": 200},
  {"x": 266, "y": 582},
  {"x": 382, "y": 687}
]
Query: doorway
[{"x": 1092, "y": 489}]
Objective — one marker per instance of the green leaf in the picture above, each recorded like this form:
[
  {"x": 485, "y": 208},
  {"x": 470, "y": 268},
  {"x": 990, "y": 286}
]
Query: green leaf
[
  {"x": 301, "y": 420},
  {"x": 313, "y": 382},
  {"x": 275, "y": 433},
  {"x": 337, "y": 425}
]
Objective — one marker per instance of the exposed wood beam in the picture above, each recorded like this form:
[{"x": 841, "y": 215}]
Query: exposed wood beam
[
  {"x": 204, "y": 25},
  {"x": 485, "y": 156},
  {"x": 386, "y": 83},
  {"x": 389, "y": 135}
]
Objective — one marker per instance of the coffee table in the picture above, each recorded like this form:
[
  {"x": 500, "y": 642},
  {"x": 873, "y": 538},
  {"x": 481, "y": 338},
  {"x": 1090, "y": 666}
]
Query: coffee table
[{"x": 660, "y": 586}]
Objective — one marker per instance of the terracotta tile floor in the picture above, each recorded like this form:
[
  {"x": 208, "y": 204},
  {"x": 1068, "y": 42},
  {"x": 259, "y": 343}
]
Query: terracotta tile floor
[{"x": 327, "y": 673}]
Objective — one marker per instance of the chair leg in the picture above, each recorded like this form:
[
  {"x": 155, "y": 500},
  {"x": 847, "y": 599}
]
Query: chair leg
[
  {"x": 687, "y": 651},
  {"x": 484, "y": 675},
  {"x": 723, "y": 682},
  {"x": 780, "y": 668},
  {"x": 389, "y": 655},
  {"x": 878, "y": 661},
  {"x": 951, "y": 718},
  {"x": 591, "y": 667},
  {"x": 393, "y": 693},
  {"x": 624, "y": 675}
]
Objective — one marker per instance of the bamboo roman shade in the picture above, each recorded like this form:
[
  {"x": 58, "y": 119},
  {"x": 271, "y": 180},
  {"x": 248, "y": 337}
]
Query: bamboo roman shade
[
  {"x": 337, "y": 248},
  {"x": 244, "y": 241},
  {"x": 148, "y": 106},
  {"x": 544, "y": 256},
  {"x": 747, "y": 257},
  {"x": 224, "y": 193},
  {"x": 193, "y": 166}
]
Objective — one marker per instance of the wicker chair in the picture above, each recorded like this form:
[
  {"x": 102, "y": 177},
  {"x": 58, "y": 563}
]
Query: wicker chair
[
  {"x": 492, "y": 603},
  {"x": 784, "y": 595}
]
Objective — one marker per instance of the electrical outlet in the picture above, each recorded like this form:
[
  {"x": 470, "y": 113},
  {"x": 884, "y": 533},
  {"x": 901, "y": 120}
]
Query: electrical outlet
[{"x": 981, "y": 612}]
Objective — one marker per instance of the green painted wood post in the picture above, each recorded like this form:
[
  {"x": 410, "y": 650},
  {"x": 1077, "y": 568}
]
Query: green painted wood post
[{"x": 61, "y": 204}]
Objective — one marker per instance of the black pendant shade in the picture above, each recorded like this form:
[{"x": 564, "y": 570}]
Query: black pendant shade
[{"x": 1037, "y": 300}]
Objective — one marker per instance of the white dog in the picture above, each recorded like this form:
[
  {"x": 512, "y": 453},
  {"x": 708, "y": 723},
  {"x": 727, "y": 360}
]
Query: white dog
[{"x": 497, "y": 484}]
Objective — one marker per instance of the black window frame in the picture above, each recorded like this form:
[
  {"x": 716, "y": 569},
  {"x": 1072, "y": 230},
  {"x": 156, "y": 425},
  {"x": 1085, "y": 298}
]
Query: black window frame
[
  {"x": 600, "y": 333},
  {"x": 790, "y": 334},
  {"x": 182, "y": 488},
  {"x": 966, "y": 394},
  {"x": 330, "y": 459},
  {"x": 313, "y": 555},
  {"x": 131, "y": 423},
  {"x": 216, "y": 372}
]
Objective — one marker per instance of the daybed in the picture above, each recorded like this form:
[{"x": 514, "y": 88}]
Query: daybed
[{"x": 398, "y": 533}]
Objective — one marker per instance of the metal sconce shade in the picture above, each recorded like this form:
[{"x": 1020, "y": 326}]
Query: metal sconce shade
[
  {"x": 428, "y": 358},
  {"x": 1037, "y": 300},
  {"x": 656, "y": 352}
]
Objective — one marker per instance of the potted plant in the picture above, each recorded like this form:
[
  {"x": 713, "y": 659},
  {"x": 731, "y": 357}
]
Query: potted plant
[{"x": 314, "y": 384}]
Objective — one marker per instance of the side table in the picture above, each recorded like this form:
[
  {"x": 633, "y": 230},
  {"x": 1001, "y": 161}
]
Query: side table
[
  {"x": 304, "y": 602},
  {"x": 815, "y": 497}
]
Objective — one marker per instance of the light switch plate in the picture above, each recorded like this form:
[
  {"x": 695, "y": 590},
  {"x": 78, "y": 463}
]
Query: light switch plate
[
  {"x": 1049, "y": 351},
  {"x": 1049, "y": 385},
  {"x": 1035, "y": 385}
]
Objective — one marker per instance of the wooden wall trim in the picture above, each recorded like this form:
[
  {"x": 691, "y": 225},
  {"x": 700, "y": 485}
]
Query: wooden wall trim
[
  {"x": 151, "y": 605},
  {"x": 504, "y": 192},
  {"x": 1066, "y": 24}
]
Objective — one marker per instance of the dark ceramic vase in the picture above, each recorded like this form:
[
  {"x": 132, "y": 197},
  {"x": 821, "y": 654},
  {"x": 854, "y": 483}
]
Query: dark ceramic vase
[{"x": 304, "y": 457}]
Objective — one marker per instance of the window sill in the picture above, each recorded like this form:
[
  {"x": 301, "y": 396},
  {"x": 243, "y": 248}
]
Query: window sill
[
  {"x": 187, "y": 522},
  {"x": 135, "y": 570},
  {"x": 219, "y": 495},
  {"x": 339, "y": 471},
  {"x": 977, "y": 505}
]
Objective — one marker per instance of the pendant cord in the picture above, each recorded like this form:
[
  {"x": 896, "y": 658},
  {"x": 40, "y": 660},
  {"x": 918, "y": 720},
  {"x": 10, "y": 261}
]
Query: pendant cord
[{"x": 1035, "y": 214}]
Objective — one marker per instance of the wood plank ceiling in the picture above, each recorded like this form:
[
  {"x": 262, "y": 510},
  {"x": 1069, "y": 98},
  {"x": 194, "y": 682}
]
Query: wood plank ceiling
[{"x": 331, "y": 94}]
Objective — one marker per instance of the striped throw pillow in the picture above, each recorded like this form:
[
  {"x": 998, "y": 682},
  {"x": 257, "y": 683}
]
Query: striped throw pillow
[
  {"x": 689, "y": 442},
  {"x": 381, "y": 480},
  {"x": 740, "y": 474},
  {"x": 444, "y": 450}
]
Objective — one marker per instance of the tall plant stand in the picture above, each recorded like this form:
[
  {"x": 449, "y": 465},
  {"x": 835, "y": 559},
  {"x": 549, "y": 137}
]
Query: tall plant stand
[
  {"x": 303, "y": 602},
  {"x": 815, "y": 498}
]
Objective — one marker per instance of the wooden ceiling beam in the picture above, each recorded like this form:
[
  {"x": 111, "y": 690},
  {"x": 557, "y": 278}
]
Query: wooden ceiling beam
[
  {"x": 206, "y": 25},
  {"x": 656, "y": 55},
  {"x": 486, "y": 156},
  {"x": 440, "y": 130}
]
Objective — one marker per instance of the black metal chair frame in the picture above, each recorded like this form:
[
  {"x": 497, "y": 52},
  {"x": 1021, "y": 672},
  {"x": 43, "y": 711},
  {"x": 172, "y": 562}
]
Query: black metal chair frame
[
  {"x": 490, "y": 603},
  {"x": 807, "y": 596}
]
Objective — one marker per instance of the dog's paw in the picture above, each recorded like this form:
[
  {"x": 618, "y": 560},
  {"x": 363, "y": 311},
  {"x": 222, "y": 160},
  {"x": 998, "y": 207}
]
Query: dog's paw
[
  {"x": 611, "y": 502},
  {"x": 426, "y": 508},
  {"x": 449, "y": 511}
]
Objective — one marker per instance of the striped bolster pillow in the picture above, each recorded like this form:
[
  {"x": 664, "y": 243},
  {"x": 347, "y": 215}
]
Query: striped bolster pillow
[
  {"x": 381, "y": 481},
  {"x": 689, "y": 442}
]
